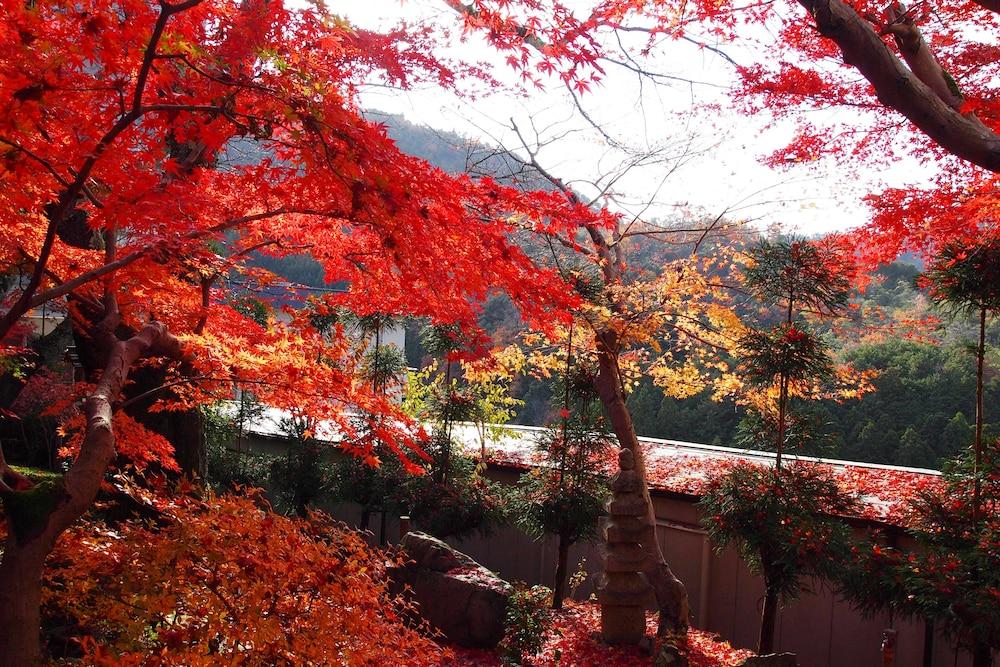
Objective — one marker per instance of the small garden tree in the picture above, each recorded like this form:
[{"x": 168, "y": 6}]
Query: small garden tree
[
  {"x": 566, "y": 495},
  {"x": 453, "y": 498},
  {"x": 784, "y": 523},
  {"x": 966, "y": 279},
  {"x": 782, "y": 519},
  {"x": 229, "y": 465},
  {"x": 798, "y": 278},
  {"x": 953, "y": 577},
  {"x": 373, "y": 480},
  {"x": 303, "y": 476}
]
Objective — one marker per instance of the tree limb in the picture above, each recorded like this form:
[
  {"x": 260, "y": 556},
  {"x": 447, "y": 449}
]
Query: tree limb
[{"x": 899, "y": 88}]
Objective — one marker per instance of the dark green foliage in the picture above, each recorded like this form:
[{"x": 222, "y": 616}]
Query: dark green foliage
[
  {"x": 382, "y": 366},
  {"x": 304, "y": 475},
  {"x": 252, "y": 308},
  {"x": 228, "y": 465},
  {"x": 799, "y": 277},
  {"x": 528, "y": 621},
  {"x": 913, "y": 450},
  {"x": 964, "y": 278},
  {"x": 807, "y": 432},
  {"x": 785, "y": 523},
  {"x": 565, "y": 496},
  {"x": 441, "y": 340},
  {"x": 783, "y": 350},
  {"x": 928, "y": 388},
  {"x": 376, "y": 488},
  {"x": 453, "y": 499},
  {"x": 953, "y": 574},
  {"x": 322, "y": 317},
  {"x": 797, "y": 273},
  {"x": 300, "y": 269},
  {"x": 461, "y": 504}
]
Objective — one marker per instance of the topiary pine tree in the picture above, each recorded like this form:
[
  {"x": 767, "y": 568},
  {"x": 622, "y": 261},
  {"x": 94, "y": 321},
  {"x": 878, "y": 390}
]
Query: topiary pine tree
[
  {"x": 798, "y": 277},
  {"x": 965, "y": 279},
  {"x": 952, "y": 575},
  {"x": 784, "y": 523},
  {"x": 565, "y": 496},
  {"x": 779, "y": 518}
]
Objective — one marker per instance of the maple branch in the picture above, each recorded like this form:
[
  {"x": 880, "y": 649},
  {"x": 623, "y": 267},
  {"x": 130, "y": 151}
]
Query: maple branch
[
  {"x": 472, "y": 13},
  {"x": 37, "y": 158},
  {"x": 121, "y": 262},
  {"x": 600, "y": 244},
  {"x": 917, "y": 54},
  {"x": 78, "y": 487},
  {"x": 901, "y": 89},
  {"x": 155, "y": 390},
  {"x": 70, "y": 194}
]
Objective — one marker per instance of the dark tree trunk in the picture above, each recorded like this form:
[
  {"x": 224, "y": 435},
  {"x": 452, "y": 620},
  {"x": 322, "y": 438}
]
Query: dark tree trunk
[
  {"x": 928, "y": 643},
  {"x": 671, "y": 596},
  {"x": 982, "y": 655},
  {"x": 366, "y": 518},
  {"x": 980, "y": 420},
  {"x": 562, "y": 563},
  {"x": 20, "y": 603},
  {"x": 188, "y": 438},
  {"x": 768, "y": 618}
]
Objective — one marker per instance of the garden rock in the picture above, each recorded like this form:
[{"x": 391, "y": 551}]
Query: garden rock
[
  {"x": 771, "y": 660},
  {"x": 462, "y": 599}
]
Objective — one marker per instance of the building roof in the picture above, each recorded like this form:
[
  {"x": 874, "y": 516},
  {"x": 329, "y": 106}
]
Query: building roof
[{"x": 685, "y": 468}]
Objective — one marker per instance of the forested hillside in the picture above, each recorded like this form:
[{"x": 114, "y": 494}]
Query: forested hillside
[{"x": 918, "y": 415}]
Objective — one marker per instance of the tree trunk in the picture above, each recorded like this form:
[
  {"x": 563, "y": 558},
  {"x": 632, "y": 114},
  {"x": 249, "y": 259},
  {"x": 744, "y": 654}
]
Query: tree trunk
[
  {"x": 20, "y": 603},
  {"x": 982, "y": 655},
  {"x": 928, "y": 643},
  {"x": 54, "y": 506},
  {"x": 559, "y": 590},
  {"x": 980, "y": 420},
  {"x": 187, "y": 435},
  {"x": 671, "y": 596},
  {"x": 768, "y": 617}
]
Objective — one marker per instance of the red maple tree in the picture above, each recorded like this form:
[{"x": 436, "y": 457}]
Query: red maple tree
[{"x": 149, "y": 149}]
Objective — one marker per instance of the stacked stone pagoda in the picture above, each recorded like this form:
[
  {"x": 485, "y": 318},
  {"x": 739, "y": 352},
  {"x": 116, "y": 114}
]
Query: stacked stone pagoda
[{"x": 623, "y": 592}]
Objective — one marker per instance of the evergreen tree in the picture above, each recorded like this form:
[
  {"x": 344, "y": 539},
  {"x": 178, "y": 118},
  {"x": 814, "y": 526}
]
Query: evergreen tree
[
  {"x": 796, "y": 277},
  {"x": 762, "y": 510},
  {"x": 565, "y": 496},
  {"x": 914, "y": 451},
  {"x": 966, "y": 280}
]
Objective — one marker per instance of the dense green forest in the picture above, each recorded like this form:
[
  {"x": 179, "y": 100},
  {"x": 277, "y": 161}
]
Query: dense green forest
[{"x": 918, "y": 415}]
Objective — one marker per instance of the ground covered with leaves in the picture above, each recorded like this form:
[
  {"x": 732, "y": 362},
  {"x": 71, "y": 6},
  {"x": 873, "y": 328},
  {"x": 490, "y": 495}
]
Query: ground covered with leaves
[{"x": 575, "y": 641}]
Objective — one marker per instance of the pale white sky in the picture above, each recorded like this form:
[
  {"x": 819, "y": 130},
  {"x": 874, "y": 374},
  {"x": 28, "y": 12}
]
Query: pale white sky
[{"x": 726, "y": 175}]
